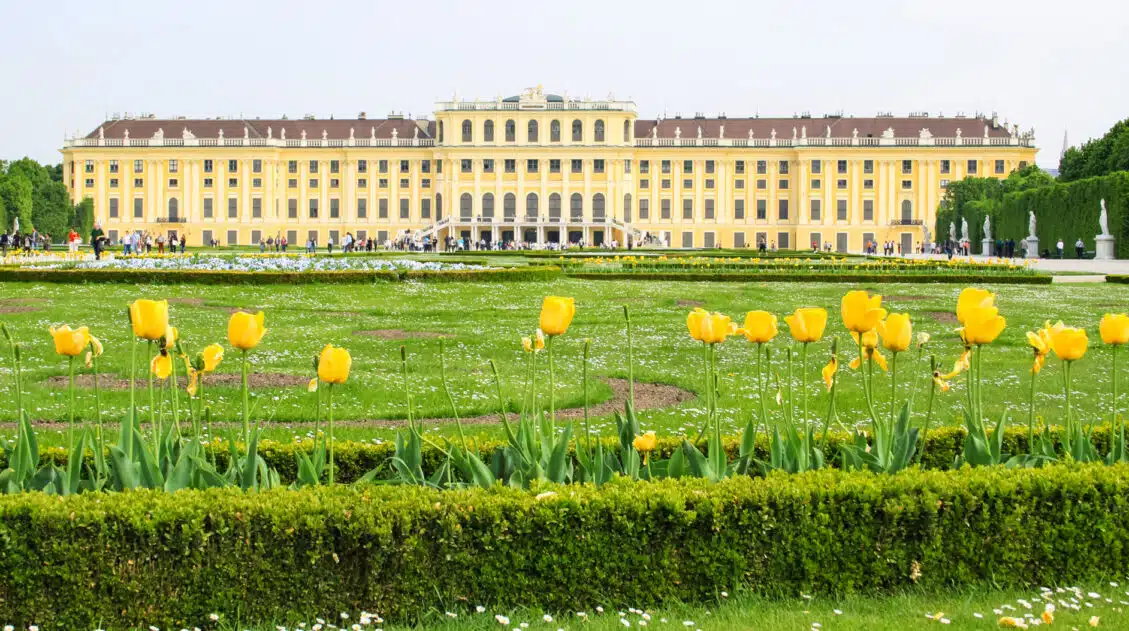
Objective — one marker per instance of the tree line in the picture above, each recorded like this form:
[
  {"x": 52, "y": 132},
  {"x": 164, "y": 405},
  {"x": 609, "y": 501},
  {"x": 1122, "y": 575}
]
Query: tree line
[{"x": 35, "y": 194}]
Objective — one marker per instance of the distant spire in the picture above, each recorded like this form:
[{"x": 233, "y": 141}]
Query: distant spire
[{"x": 1065, "y": 145}]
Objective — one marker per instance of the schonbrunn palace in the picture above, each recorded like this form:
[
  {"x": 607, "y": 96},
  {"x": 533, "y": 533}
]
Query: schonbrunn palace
[{"x": 538, "y": 168}]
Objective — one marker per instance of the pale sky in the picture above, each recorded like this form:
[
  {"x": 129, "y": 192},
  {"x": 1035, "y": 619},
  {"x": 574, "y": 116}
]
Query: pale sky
[{"x": 1052, "y": 65}]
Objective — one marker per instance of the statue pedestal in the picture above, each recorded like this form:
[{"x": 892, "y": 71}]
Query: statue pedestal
[
  {"x": 1032, "y": 244},
  {"x": 1103, "y": 250},
  {"x": 986, "y": 247}
]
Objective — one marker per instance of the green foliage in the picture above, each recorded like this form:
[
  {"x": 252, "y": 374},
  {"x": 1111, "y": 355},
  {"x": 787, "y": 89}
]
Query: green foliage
[
  {"x": 82, "y": 219},
  {"x": 171, "y": 559},
  {"x": 1100, "y": 156},
  {"x": 1069, "y": 211},
  {"x": 812, "y": 277},
  {"x": 16, "y": 197},
  {"x": 50, "y": 204},
  {"x": 974, "y": 197}
]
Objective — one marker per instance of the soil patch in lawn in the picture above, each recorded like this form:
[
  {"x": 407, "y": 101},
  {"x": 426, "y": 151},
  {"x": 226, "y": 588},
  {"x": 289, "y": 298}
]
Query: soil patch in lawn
[
  {"x": 688, "y": 303},
  {"x": 944, "y": 317},
  {"x": 191, "y": 302},
  {"x": 22, "y": 300},
  {"x": 400, "y": 334},
  {"x": 648, "y": 396},
  {"x": 907, "y": 298},
  {"x": 257, "y": 380},
  {"x": 5, "y": 309}
]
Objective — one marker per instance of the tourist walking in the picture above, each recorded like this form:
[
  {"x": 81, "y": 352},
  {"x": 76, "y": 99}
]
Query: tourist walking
[
  {"x": 97, "y": 240},
  {"x": 1080, "y": 247},
  {"x": 1061, "y": 247}
]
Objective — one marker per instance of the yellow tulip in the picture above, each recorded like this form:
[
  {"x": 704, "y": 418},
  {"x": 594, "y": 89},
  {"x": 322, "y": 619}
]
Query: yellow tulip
[
  {"x": 807, "y": 324},
  {"x": 70, "y": 342},
  {"x": 168, "y": 340},
  {"x": 149, "y": 318},
  {"x": 829, "y": 373},
  {"x": 869, "y": 343},
  {"x": 1114, "y": 328},
  {"x": 313, "y": 385},
  {"x": 971, "y": 298},
  {"x": 538, "y": 340},
  {"x": 982, "y": 325},
  {"x": 333, "y": 364},
  {"x": 161, "y": 366},
  {"x": 896, "y": 331},
  {"x": 556, "y": 314},
  {"x": 760, "y": 326},
  {"x": 961, "y": 364},
  {"x": 213, "y": 355},
  {"x": 645, "y": 442},
  {"x": 527, "y": 344},
  {"x": 244, "y": 330},
  {"x": 1070, "y": 343},
  {"x": 694, "y": 322},
  {"x": 1047, "y": 617},
  {"x": 1042, "y": 344},
  {"x": 96, "y": 346},
  {"x": 710, "y": 328},
  {"x": 861, "y": 311},
  {"x": 193, "y": 379},
  {"x": 940, "y": 381}
]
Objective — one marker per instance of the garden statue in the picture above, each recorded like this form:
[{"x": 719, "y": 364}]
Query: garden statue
[
  {"x": 952, "y": 231},
  {"x": 987, "y": 228},
  {"x": 1103, "y": 243},
  {"x": 1031, "y": 225},
  {"x": 1103, "y": 220},
  {"x": 964, "y": 230}
]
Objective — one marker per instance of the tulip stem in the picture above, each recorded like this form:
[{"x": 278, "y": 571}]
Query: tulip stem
[
  {"x": 979, "y": 384},
  {"x": 893, "y": 385},
  {"x": 246, "y": 400},
  {"x": 1069, "y": 417},
  {"x": 1031, "y": 412},
  {"x": 97, "y": 398},
  {"x": 407, "y": 391},
  {"x": 867, "y": 382},
  {"x": 175, "y": 398},
  {"x": 552, "y": 390},
  {"x": 447, "y": 390},
  {"x": 762, "y": 382},
  {"x": 127, "y": 440},
  {"x": 535, "y": 409},
  {"x": 630, "y": 359},
  {"x": 831, "y": 395},
  {"x": 928, "y": 408},
  {"x": 152, "y": 405},
  {"x": 803, "y": 380},
  {"x": 70, "y": 421},
  {"x": 587, "y": 347},
  {"x": 502, "y": 406},
  {"x": 331, "y": 441},
  {"x": 1113, "y": 419}
]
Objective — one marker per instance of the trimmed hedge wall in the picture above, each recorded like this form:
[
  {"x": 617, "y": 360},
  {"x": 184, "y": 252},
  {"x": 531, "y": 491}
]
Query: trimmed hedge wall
[
  {"x": 773, "y": 277},
  {"x": 354, "y": 459},
  {"x": 532, "y": 273},
  {"x": 170, "y": 559},
  {"x": 1069, "y": 211}
]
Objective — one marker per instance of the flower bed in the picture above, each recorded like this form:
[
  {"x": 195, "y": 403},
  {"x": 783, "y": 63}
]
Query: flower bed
[
  {"x": 293, "y": 264},
  {"x": 826, "y": 264},
  {"x": 170, "y": 560},
  {"x": 214, "y": 277},
  {"x": 811, "y": 276}
]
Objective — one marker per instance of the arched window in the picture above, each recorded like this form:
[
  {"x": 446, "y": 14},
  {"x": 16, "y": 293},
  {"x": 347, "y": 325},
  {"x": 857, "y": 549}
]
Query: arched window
[
  {"x": 509, "y": 205},
  {"x": 488, "y": 131},
  {"x": 173, "y": 208},
  {"x": 577, "y": 131},
  {"x": 532, "y": 135},
  {"x": 440, "y": 132},
  {"x": 555, "y": 131},
  {"x": 531, "y": 205},
  {"x": 599, "y": 131},
  {"x": 438, "y": 204},
  {"x": 468, "y": 131},
  {"x": 576, "y": 207},
  {"x": 554, "y": 207},
  {"x": 907, "y": 210},
  {"x": 627, "y": 207},
  {"x": 488, "y": 205},
  {"x": 511, "y": 131},
  {"x": 627, "y": 131},
  {"x": 598, "y": 207},
  {"x": 466, "y": 207}
]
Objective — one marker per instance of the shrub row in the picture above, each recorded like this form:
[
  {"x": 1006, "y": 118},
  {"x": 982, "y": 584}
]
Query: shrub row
[
  {"x": 806, "y": 277},
  {"x": 354, "y": 459},
  {"x": 155, "y": 558},
  {"x": 208, "y": 277}
]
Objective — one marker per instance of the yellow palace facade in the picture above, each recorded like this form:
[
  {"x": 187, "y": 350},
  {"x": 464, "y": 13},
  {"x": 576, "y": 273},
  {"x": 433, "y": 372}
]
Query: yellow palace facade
[{"x": 538, "y": 168}]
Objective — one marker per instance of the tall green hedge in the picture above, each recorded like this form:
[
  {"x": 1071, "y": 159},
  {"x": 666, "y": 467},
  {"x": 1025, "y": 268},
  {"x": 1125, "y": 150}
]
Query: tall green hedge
[
  {"x": 169, "y": 560},
  {"x": 1069, "y": 211}
]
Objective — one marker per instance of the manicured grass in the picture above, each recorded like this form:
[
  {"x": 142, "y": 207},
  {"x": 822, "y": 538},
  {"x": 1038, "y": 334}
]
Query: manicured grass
[
  {"x": 486, "y": 321},
  {"x": 743, "y": 611}
]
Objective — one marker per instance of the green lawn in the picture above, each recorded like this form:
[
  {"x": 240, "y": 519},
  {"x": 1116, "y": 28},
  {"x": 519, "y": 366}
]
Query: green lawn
[
  {"x": 486, "y": 321},
  {"x": 959, "y": 610}
]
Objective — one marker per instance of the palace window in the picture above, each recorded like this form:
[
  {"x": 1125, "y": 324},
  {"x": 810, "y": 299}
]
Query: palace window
[
  {"x": 644, "y": 183},
  {"x": 334, "y": 182},
  {"x": 598, "y": 165},
  {"x": 816, "y": 184},
  {"x": 313, "y": 166},
  {"x": 113, "y": 166},
  {"x": 362, "y": 208},
  {"x": 687, "y": 166},
  {"x": 362, "y": 166},
  {"x": 762, "y": 184},
  {"x": 577, "y": 166},
  {"x": 687, "y": 209},
  {"x": 531, "y": 166},
  {"x": 577, "y": 131},
  {"x": 598, "y": 130},
  {"x": 709, "y": 182},
  {"x": 665, "y": 183},
  {"x": 907, "y": 184},
  {"x": 138, "y": 166},
  {"x": 113, "y": 182},
  {"x": 511, "y": 131},
  {"x": 208, "y": 182},
  {"x": 687, "y": 183},
  {"x": 88, "y": 182},
  {"x": 664, "y": 209},
  {"x": 292, "y": 208},
  {"x": 291, "y": 166},
  {"x": 487, "y": 132},
  {"x": 232, "y": 166},
  {"x": 555, "y": 131},
  {"x": 425, "y": 166},
  {"x": 405, "y": 182},
  {"x": 313, "y": 182},
  {"x": 405, "y": 166},
  {"x": 334, "y": 166},
  {"x": 405, "y": 209},
  {"x": 207, "y": 208},
  {"x": 233, "y": 182},
  {"x": 113, "y": 208},
  {"x": 510, "y": 165},
  {"x": 425, "y": 208},
  {"x": 313, "y": 209},
  {"x": 739, "y": 209},
  {"x": 644, "y": 167},
  {"x": 488, "y": 205},
  {"x": 626, "y": 131},
  {"x": 256, "y": 208},
  {"x": 782, "y": 185},
  {"x": 576, "y": 207},
  {"x": 762, "y": 209},
  {"x": 173, "y": 166},
  {"x": 868, "y": 210},
  {"x": 709, "y": 166},
  {"x": 291, "y": 183},
  {"x": 709, "y": 209},
  {"x": 999, "y": 167},
  {"x": 816, "y": 209},
  {"x": 173, "y": 182},
  {"x": 362, "y": 182},
  {"x": 782, "y": 209},
  {"x": 468, "y": 131},
  {"x": 138, "y": 182},
  {"x": 946, "y": 166},
  {"x": 627, "y": 165},
  {"x": 644, "y": 209},
  {"x": 841, "y": 209},
  {"x": 841, "y": 183},
  {"x": 488, "y": 165},
  {"x": 783, "y": 167},
  {"x": 762, "y": 167},
  {"x": 232, "y": 207},
  {"x": 382, "y": 166},
  {"x": 817, "y": 166},
  {"x": 531, "y": 206},
  {"x": 531, "y": 132},
  {"x": 738, "y": 184},
  {"x": 466, "y": 165},
  {"x": 554, "y": 166},
  {"x": 382, "y": 208},
  {"x": 868, "y": 184},
  {"x": 841, "y": 167},
  {"x": 739, "y": 167},
  {"x": 666, "y": 166},
  {"x": 868, "y": 166},
  {"x": 907, "y": 166},
  {"x": 256, "y": 166}
]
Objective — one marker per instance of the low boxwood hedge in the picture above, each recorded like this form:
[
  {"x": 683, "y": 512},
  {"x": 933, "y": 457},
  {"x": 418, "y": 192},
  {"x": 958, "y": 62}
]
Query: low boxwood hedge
[
  {"x": 354, "y": 459},
  {"x": 225, "y": 277},
  {"x": 170, "y": 559},
  {"x": 805, "y": 277}
]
